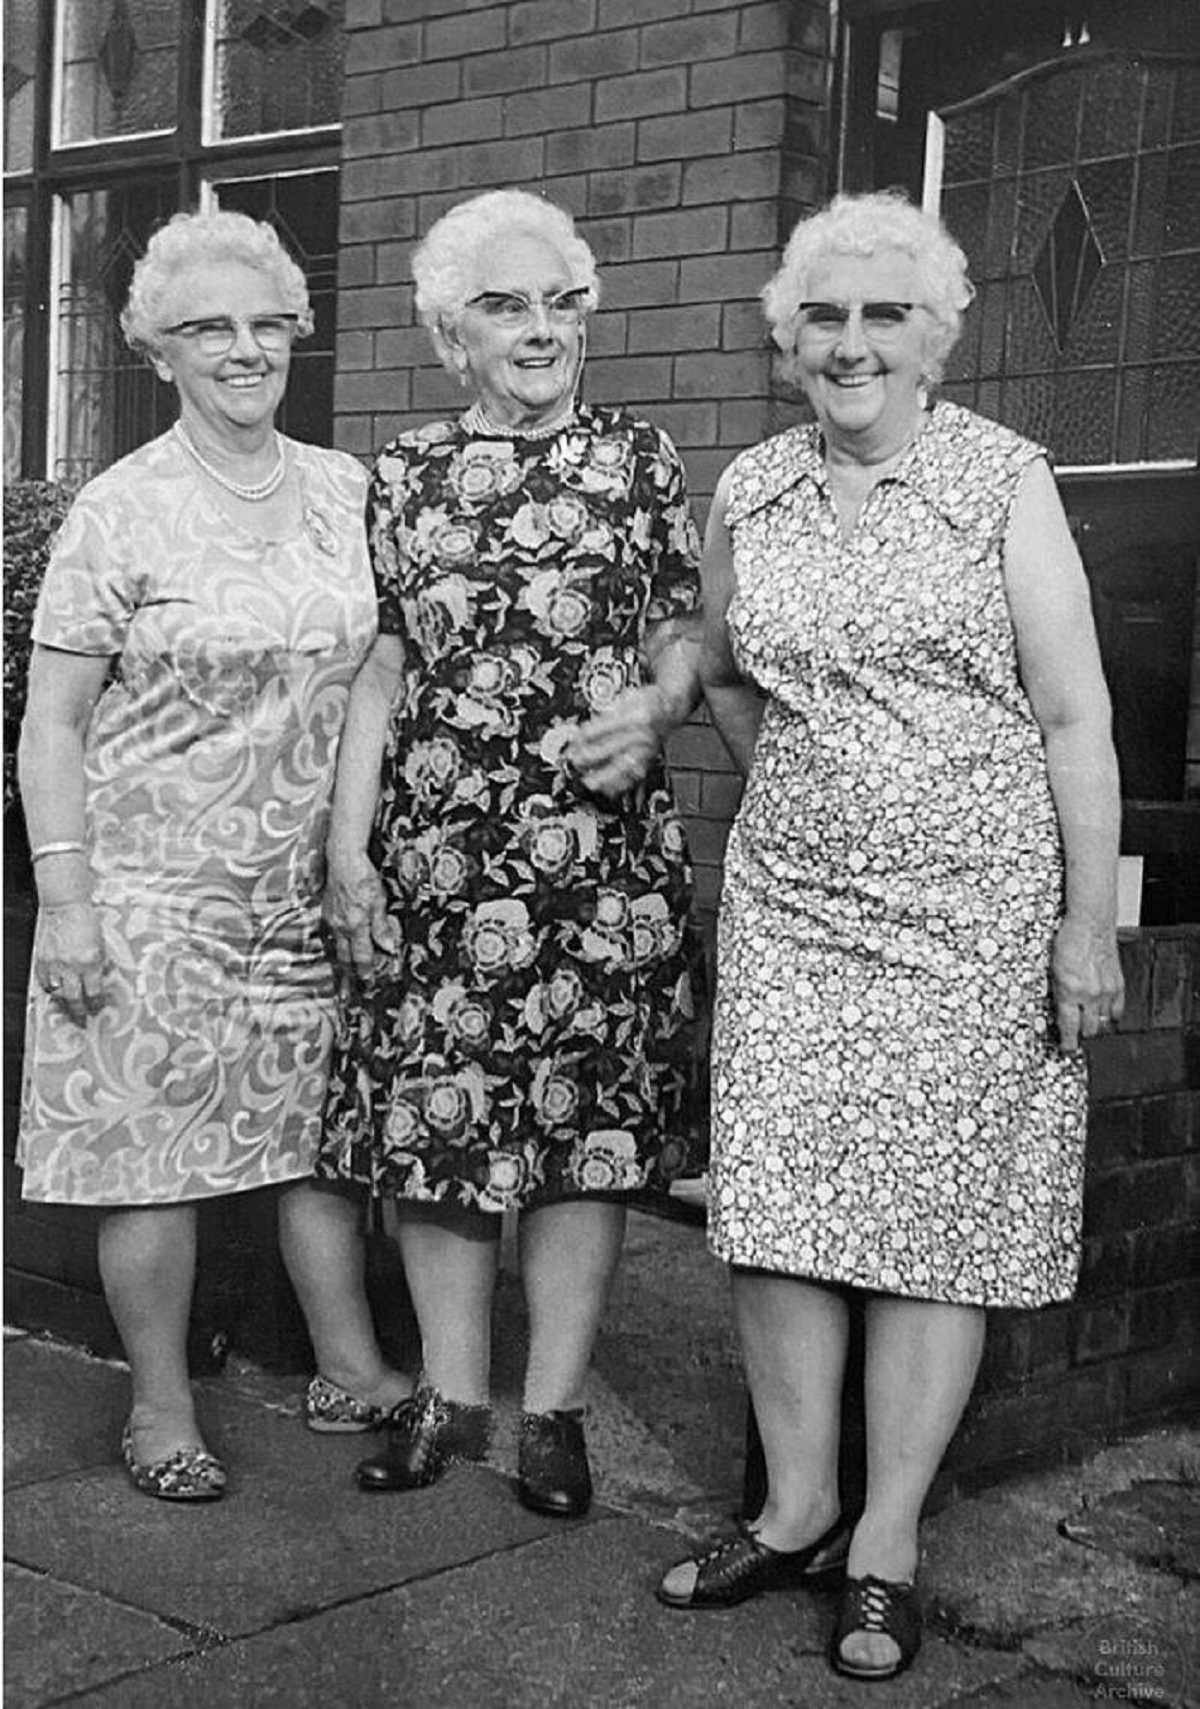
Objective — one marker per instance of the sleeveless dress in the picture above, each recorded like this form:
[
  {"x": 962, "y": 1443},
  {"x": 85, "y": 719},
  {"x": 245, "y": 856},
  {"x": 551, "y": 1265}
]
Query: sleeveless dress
[
  {"x": 209, "y": 764},
  {"x": 891, "y": 1109},
  {"x": 535, "y": 1038}
]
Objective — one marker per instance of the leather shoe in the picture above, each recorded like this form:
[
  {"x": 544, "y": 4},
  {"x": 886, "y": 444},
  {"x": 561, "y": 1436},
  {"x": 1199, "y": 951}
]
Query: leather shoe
[
  {"x": 553, "y": 1476},
  {"x": 426, "y": 1433}
]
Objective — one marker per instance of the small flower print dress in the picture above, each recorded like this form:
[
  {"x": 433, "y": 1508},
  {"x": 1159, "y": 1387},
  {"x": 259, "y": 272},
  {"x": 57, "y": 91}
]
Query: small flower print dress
[
  {"x": 534, "y": 1038},
  {"x": 891, "y": 1109},
  {"x": 209, "y": 764}
]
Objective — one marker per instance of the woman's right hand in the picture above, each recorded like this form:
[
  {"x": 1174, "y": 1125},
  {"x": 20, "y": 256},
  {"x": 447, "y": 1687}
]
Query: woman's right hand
[
  {"x": 71, "y": 962},
  {"x": 354, "y": 911}
]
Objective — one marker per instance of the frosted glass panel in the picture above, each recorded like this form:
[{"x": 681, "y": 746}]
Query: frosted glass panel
[
  {"x": 118, "y": 67},
  {"x": 277, "y": 66}
]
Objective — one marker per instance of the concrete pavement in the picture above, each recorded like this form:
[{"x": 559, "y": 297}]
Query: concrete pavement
[{"x": 1072, "y": 1587}]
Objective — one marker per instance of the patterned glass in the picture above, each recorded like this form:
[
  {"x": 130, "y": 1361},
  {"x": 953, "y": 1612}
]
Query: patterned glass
[
  {"x": 277, "y": 65},
  {"x": 20, "y": 54},
  {"x": 16, "y": 222},
  {"x": 107, "y": 399},
  {"x": 118, "y": 65},
  {"x": 1076, "y": 195}
]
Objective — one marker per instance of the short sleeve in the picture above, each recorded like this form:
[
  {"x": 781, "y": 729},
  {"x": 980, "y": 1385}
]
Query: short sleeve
[
  {"x": 91, "y": 591},
  {"x": 385, "y": 499},
  {"x": 675, "y": 574}
]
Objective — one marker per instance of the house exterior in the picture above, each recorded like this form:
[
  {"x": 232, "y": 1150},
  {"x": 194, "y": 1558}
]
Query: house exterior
[{"x": 1059, "y": 138}]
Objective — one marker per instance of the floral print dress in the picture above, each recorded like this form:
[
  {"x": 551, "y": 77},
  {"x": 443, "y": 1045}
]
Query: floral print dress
[
  {"x": 208, "y": 765},
  {"x": 534, "y": 1037},
  {"x": 890, "y": 1106}
]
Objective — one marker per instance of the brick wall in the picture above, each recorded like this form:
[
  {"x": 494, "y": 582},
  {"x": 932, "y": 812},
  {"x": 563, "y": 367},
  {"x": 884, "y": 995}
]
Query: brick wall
[{"x": 684, "y": 135}]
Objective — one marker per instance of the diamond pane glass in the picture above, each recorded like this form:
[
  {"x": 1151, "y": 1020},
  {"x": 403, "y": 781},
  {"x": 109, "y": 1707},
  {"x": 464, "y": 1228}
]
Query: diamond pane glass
[
  {"x": 303, "y": 208},
  {"x": 107, "y": 400},
  {"x": 1084, "y": 246},
  {"x": 118, "y": 67},
  {"x": 20, "y": 58},
  {"x": 15, "y": 232},
  {"x": 277, "y": 65}
]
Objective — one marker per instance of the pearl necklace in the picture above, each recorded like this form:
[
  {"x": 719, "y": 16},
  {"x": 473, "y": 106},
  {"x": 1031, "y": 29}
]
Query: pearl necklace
[
  {"x": 251, "y": 491},
  {"x": 476, "y": 421}
]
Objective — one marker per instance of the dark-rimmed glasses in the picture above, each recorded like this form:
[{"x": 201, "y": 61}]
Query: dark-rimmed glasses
[
  {"x": 880, "y": 320},
  {"x": 217, "y": 336},
  {"x": 514, "y": 308}
]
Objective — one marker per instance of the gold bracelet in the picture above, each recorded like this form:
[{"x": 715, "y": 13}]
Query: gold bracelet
[{"x": 55, "y": 848}]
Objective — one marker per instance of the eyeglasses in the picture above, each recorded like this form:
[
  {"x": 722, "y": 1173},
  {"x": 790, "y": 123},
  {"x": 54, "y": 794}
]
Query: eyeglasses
[
  {"x": 216, "y": 337},
  {"x": 514, "y": 308},
  {"x": 880, "y": 320}
]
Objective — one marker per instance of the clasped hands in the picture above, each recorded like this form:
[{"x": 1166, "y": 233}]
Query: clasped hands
[{"x": 612, "y": 752}]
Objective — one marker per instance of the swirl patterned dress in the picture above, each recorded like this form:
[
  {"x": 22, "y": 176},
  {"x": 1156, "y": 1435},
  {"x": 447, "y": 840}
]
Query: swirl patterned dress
[
  {"x": 890, "y": 1106},
  {"x": 534, "y": 1038},
  {"x": 209, "y": 765}
]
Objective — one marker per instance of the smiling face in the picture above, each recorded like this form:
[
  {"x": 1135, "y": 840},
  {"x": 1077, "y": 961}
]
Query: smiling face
[
  {"x": 526, "y": 373},
  {"x": 231, "y": 398},
  {"x": 863, "y": 376}
]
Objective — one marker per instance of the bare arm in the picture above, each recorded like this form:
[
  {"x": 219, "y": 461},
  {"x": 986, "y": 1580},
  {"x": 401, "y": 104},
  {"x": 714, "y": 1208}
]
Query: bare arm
[
  {"x": 1060, "y": 667},
  {"x": 614, "y": 750},
  {"x": 354, "y": 907},
  {"x": 63, "y": 690},
  {"x": 736, "y": 706}
]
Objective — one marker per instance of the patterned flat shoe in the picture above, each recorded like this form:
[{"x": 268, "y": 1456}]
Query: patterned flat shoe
[
  {"x": 880, "y": 1606},
  {"x": 741, "y": 1566},
  {"x": 334, "y": 1411},
  {"x": 426, "y": 1433},
  {"x": 189, "y": 1474},
  {"x": 553, "y": 1476}
]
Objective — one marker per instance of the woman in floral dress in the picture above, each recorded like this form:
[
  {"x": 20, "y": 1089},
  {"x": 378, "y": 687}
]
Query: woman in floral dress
[
  {"x": 508, "y": 877},
  {"x": 918, "y": 917}
]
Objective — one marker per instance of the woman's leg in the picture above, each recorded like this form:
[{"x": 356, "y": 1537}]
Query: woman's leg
[
  {"x": 569, "y": 1256},
  {"x": 921, "y": 1361},
  {"x": 320, "y": 1237},
  {"x": 148, "y": 1267},
  {"x": 450, "y": 1262},
  {"x": 793, "y": 1336}
]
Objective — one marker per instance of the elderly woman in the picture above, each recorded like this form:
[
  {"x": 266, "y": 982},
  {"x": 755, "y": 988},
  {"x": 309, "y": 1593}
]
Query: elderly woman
[
  {"x": 205, "y": 609},
  {"x": 918, "y": 921},
  {"x": 507, "y": 874}
]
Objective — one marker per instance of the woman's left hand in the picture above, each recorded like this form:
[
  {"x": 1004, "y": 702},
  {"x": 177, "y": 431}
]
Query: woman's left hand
[
  {"x": 1089, "y": 990},
  {"x": 613, "y": 751}
]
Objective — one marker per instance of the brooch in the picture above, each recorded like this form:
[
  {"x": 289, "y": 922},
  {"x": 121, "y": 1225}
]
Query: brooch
[{"x": 320, "y": 530}]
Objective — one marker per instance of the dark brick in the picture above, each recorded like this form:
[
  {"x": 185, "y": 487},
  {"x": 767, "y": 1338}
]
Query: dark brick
[
  {"x": 641, "y": 94},
  {"x": 356, "y": 434},
  {"x": 759, "y": 124},
  {"x": 1191, "y": 1057},
  {"x": 461, "y": 121},
  {"x": 535, "y": 21},
  {"x": 545, "y": 110},
  {"x": 515, "y": 162},
  {"x": 616, "y": 12},
  {"x": 721, "y": 278},
  {"x": 1100, "y": 1331},
  {"x": 356, "y": 265},
  {"x": 704, "y": 471},
  {"x": 732, "y": 177},
  {"x": 1159, "y": 1383},
  {"x": 379, "y": 133},
  {"x": 1104, "y": 1205},
  {"x": 1155, "y": 1193},
  {"x": 355, "y": 350},
  {"x": 639, "y": 284},
  {"x": 504, "y": 70},
  {"x": 754, "y": 225},
  {"x": 762, "y": 27},
  {"x": 1137, "y": 959},
  {"x": 1065, "y": 1414},
  {"x": 1124, "y": 1065},
  {"x": 696, "y": 328},
  {"x": 369, "y": 308},
  {"x": 685, "y": 786},
  {"x": 361, "y": 95},
  {"x": 682, "y": 136},
  {"x": 1105, "y": 1266},
  {"x": 393, "y": 266},
  {"x": 608, "y": 335},
  {"x": 626, "y": 379},
  {"x": 708, "y": 885},
  {"x": 748, "y": 77},
  {"x": 743, "y": 326},
  {"x": 608, "y": 55},
  {"x": 362, "y": 14},
  {"x": 435, "y": 390},
  {"x": 1155, "y": 1318},
  {"x": 610, "y": 239},
  {"x": 476, "y": 32},
  {"x": 690, "y": 40},
  {"x": 593, "y": 149},
  {"x": 1169, "y": 983},
  {"x": 697, "y": 746},
  {"x": 1166, "y": 1125},
  {"x": 635, "y": 189},
  {"x": 376, "y": 221},
  {"x": 372, "y": 49},
  {"x": 422, "y": 86},
  {"x": 377, "y": 389},
  {"x": 1113, "y": 1135},
  {"x": 690, "y": 233},
  {"x": 1159, "y": 1255},
  {"x": 741, "y": 374},
  {"x": 743, "y": 422},
  {"x": 687, "y": 424},
  {"x": 403, "y": 347}
]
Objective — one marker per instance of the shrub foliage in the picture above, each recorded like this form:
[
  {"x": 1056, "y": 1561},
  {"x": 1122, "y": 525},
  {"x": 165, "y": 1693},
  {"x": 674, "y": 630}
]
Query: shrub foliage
[{"x": 33, "y": 513}]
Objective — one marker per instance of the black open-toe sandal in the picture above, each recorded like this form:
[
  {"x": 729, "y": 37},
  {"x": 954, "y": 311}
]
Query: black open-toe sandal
[
  {"x": 742, "y": 1566},
  {"x": 880, "y": 1606}
]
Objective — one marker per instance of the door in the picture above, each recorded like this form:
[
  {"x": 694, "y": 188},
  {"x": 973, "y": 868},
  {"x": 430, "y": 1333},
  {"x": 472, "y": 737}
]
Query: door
[{"x": 1061, "y": 145}]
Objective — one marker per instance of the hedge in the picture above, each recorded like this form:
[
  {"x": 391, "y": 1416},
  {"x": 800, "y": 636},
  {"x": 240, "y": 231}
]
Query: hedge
[{"x": 33, "y": 513}]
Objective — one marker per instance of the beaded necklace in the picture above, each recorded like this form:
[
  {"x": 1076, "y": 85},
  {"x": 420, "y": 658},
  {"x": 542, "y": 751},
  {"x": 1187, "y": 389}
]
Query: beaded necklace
[
  {"x": 251, "y": 491},
  {"x": 476, "y": 421}
]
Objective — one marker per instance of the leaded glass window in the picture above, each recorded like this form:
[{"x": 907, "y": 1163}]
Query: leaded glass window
[
  {"x": 15, "y": 233},
  {"x": 20, "y": 52},
  {"x": 117, "y": 64},
  {"x": 1075, "y": 192},
  {"x": 275, "y": 65}
]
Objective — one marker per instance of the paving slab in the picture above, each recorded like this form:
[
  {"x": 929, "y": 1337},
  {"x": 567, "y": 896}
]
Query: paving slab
[
  {"x": 60, "y": 1640},
  {"x": 292, "y": 1535},
  {"x": 63, "y": 1410},
  {"x": 564, "y": 1622},
  {"x": 1032, "y": 1691},
  {"x": 1147, "y": 1652},
  {"x": 1156, "y": 1523}
]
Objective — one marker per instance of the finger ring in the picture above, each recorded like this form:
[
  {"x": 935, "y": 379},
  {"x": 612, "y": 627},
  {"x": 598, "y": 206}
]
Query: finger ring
[{"x": 52, "y": 984}]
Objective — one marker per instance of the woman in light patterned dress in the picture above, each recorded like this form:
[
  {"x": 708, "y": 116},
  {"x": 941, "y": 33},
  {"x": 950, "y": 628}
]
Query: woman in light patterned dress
[
  {"x": 918, "y": 920},
  {"x": 203, "y": 614}
]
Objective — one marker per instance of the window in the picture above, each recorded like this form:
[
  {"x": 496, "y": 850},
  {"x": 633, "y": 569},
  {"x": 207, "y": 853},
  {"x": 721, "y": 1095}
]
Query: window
[{"x": 117, "y": 113}]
